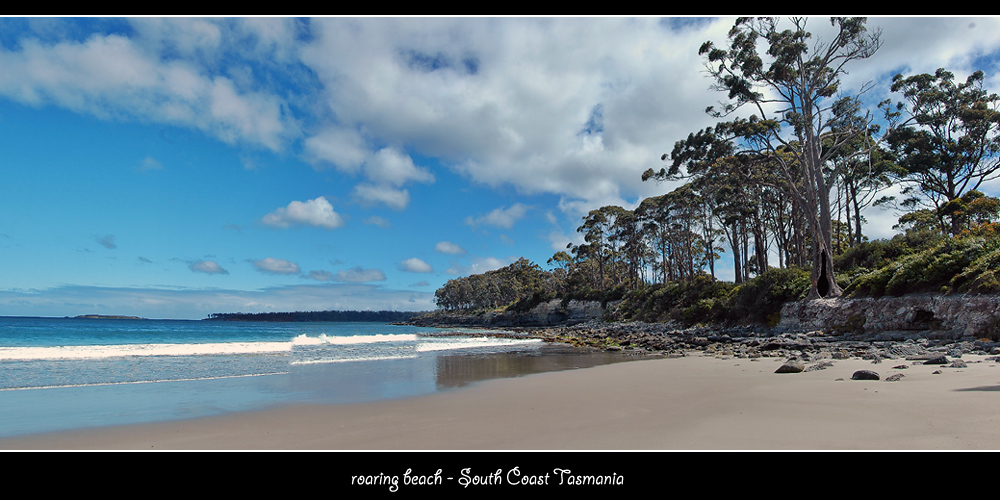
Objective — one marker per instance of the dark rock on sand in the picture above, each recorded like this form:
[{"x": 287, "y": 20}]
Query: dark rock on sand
[
  {"x": 865, "y": 375},
  {"x": 791, "y": 366},
  {"x": 940, "y": 359}
]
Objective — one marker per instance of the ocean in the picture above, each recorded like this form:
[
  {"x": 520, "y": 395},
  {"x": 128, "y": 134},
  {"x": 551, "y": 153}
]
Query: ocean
[{"x": 72, "y": 373}]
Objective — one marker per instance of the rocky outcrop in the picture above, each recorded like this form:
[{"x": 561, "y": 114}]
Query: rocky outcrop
[
  {"x": 551, "y": 313},
  {"x": 932, "y": 316}
]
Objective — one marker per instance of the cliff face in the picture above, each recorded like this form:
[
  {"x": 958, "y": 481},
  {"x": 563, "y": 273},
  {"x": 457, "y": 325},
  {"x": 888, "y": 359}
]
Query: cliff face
[
  {"x": 898, "y": 318},
  {"x": 549, "y": 313}
]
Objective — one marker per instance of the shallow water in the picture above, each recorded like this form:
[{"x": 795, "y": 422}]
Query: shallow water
[{"x": 61, "y": 373}]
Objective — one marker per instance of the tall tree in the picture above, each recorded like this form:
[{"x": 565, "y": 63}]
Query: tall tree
[
  {"x": 949, "y": 143},
  {"x": 789, "y": 91}
]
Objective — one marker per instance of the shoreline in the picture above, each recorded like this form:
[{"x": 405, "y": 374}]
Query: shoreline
[{"x": 699, "y": 401}]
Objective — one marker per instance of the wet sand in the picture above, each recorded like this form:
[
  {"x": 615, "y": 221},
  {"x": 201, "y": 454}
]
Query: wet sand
[{"x": 688, "y": 403}]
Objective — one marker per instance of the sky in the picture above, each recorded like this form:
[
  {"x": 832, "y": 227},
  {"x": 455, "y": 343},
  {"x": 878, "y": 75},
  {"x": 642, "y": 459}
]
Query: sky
[{"x": 172, "y": 167}]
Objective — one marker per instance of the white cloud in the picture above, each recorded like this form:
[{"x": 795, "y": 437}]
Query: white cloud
[
  {"x": 207, "y": 267},
  {"x": 359, "y": 275},
  {"x": 389, "y": 166},
  {"x": 316, "y": 212},
  {"x": 577, "y": 107},
  {"x": 503, "y": 217},
  {"x": 373, "y": 194},
  {"x": 415, "y": 265},
  {"x": 449, "y": 248},
  {"x": 270, "y": 265},
  {"x": 479, "y": 265},
  {"x": 112, "y": 76},
  {"x": 345, "y": 149},
  {"x": 387, "y": 169}
]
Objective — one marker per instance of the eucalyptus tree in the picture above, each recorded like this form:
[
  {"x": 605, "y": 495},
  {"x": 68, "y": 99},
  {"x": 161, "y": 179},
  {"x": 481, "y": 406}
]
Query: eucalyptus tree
[
  {"x": 654, "y": 215},
  {"x": 598, "y": 228},
  {"x": 866, "y": 170},
  {"x": 789, "y": 92},
  {"x": 949, "y": 143},
  {"x": 631, "y": 249}
]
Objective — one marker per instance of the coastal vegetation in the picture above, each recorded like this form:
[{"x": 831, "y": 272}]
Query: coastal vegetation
[{"x": 784, "y": 192}]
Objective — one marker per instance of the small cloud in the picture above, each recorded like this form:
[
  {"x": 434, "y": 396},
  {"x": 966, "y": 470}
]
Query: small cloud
[
  {"x": 145, "y": 260},
  {"x": 321, "y": 275},
  {"x": 359, "y": 275},
  {"x": 107, "y": 241},
  {"x": 317, "y": 212},
  {"x": 481, "y": 265},
  {"x": 416, "y": 265},
  {"x": 449, "y": 248},
  {"x": 207, "y": 267},
  {"x": 378, "y": 221},
  {"x": 389, "y": 166},
  {"x": 502, "y": 217},
  {"x": 150, "y": 164},
  {"x": 271, "y": 265},
  {"x": 373, "y": 194}
]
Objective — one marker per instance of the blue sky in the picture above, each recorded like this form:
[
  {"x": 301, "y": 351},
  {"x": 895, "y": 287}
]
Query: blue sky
[{"x": 175, "y": 167}]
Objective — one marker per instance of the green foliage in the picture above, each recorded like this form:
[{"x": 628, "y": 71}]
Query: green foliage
[
  {"x": 949, "y": 145},
  {"x": 700, "y": 300},
  {"x": 495, "y": 289},
  {"x": 980, "y": 276},
  {"x": 960, "y": 264},
  {"x": 708, "y": 301},
  {"x": 870, "y": 255},
  {"x": 760, "y": 299}
]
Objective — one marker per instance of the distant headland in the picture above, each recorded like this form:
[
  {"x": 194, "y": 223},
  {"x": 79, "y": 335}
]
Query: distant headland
[
  {"x": 105, "y": 316},
  {"x": 373, "y": 316}
]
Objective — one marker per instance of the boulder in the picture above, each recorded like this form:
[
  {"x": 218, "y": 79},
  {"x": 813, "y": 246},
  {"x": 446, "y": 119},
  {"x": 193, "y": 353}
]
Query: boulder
[
  {"x": 791, "y": 366},
  {"x": 865, "y": 375}
]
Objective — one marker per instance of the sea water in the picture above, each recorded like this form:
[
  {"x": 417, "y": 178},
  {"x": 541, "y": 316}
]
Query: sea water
[{"x": 69, "y": 373}]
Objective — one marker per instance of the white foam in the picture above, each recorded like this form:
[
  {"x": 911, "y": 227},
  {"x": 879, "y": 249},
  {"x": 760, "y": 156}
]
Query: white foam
[
  {"x": 80, "y": 352},
  {"x": 473, "y": 343},
  {"x": 353, "y": 339},
  {"x": 126, "y": 350}
]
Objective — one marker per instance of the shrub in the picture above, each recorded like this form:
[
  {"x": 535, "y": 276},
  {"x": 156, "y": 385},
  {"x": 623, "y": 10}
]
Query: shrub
[
  {"x": 953, "y": 264},
  {"x": 761, "y": 298}
]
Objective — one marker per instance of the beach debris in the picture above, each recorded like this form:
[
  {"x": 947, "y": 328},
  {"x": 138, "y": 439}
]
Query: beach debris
[
  {"x": 958, "y": 363},
  {"x": 791, "y": 366},
  {"x": 894, "y": 377},
  {"x": 865, "y": 375}
]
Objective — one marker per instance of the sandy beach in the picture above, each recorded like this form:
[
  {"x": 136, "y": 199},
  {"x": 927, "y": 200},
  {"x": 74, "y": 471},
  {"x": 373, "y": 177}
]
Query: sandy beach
[{"x": 689, "y": 403}]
